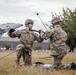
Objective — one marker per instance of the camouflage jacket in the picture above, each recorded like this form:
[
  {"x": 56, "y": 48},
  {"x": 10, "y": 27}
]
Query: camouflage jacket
[
  {"x": 57, "y": 37},
  {"x": 26, "y": 37}
]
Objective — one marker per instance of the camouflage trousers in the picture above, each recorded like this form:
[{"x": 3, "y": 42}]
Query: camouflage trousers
[
  {"x": 58, "y": 59},
  {"x": 57, "y": 62},
  {"x": 25, "y": 53}
]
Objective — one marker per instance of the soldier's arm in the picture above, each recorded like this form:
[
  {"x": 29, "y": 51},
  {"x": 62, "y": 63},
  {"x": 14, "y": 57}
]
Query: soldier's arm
[
  {"x": 48, "y": 34},
  {"x": 15, "y": 33},
  {"x": 38, "y": 38}
]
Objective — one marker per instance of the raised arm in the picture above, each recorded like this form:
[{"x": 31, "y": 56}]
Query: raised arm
[
  {"x": 46, "y": 35},
  {"x": 12, "y": 33},
  {"x": 38, "y": 38}
]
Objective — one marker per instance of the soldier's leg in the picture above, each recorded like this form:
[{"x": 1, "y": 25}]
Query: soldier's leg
[
  {"x": 19, "y": 49},
  {"x": 18, "y": 57},
  {"x": 28, "y": 57},
  {"x": 58, "y": 62},
  {"x": 23, "y": 55}
]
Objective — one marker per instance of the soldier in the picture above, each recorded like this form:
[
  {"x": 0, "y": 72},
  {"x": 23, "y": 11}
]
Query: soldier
[
  {"x": 58, "y": 38},
  {"x": 27, "y": 38}
]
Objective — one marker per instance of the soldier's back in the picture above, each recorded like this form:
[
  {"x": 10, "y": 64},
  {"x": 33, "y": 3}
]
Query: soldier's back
[{"x": 59, "y": 36}]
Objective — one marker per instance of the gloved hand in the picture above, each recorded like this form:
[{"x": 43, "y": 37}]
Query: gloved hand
[
  {"x": 41, "y": 31},
  {"x": 11, "y": 30}
]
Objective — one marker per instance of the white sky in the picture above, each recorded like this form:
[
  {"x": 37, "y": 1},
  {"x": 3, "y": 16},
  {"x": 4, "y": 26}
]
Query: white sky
[{"x": 18, "y": 11}]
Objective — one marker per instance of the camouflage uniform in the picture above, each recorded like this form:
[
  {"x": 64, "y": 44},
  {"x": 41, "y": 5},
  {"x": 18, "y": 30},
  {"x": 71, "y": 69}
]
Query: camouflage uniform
[
  {"x": 58, "y": 46},
  {"x": 26, "y": 41}
]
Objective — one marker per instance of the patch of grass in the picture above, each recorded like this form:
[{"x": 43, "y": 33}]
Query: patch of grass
[{"x": 7, "y": 66}]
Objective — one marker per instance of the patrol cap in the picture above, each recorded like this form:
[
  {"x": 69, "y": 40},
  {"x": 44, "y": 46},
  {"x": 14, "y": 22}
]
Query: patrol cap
[
  {"x": 55, "y": 20},
  {"x": 29, "y": 21}
]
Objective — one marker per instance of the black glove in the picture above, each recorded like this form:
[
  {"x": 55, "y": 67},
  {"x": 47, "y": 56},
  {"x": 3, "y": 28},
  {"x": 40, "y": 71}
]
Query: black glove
[
  {"x": 11, "y": 30},
  {"x": 73, "y": 66}
]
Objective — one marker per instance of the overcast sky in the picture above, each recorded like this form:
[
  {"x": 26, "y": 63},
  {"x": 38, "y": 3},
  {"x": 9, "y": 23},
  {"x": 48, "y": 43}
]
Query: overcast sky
[{"x": 18, "y": 11}]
